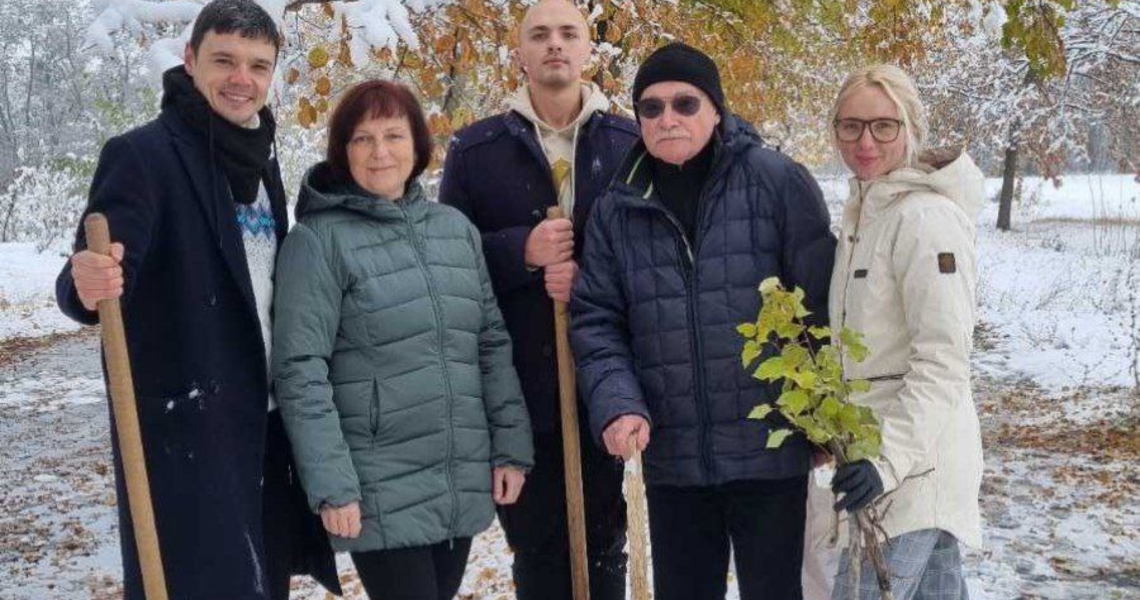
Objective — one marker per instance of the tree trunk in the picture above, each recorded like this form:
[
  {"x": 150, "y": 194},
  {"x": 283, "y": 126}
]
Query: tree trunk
[
  {"x": 31, "y": 85},
  {"x": 1009, "y": 176},
  {"x": 456, "y": 80},
  {"x": 5, "y": 235}
]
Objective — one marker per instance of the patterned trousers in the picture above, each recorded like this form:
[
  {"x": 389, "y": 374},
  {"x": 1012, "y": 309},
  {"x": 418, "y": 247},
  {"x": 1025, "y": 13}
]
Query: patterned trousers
[{"x": 924, "y": 565}]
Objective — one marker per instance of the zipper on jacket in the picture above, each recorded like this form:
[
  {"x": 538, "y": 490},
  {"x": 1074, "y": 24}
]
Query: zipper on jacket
[
  {"x": 852, "y": 240},
  {"x": 689, "y": 272},
  {"x": 704, "y": 402},
  {"x": 417, "y": 250}
]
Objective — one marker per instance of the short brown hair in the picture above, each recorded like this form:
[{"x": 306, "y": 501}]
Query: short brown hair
[{"x": 371, "y": 100}]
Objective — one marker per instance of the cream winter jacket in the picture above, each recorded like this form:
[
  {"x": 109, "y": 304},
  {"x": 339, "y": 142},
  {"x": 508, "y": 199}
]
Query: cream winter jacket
[{"x": 905, "y": 276}]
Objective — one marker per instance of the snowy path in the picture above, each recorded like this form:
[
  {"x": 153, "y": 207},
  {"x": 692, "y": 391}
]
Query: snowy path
[
  {"x": 58, "y": 529},
  {"x": 1059, "y": 494}
]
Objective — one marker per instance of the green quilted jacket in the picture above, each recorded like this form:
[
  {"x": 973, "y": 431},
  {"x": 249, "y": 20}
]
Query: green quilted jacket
[{"x": 392, "y": 366}]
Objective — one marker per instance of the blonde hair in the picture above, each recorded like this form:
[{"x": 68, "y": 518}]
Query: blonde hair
[{"x": 898, "y": 86}]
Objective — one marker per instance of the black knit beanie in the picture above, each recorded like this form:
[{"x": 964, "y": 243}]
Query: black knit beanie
[{"x": 680, "y": 62}]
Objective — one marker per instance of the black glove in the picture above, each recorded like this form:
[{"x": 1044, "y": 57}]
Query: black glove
[{"x": 859, "y": 482}]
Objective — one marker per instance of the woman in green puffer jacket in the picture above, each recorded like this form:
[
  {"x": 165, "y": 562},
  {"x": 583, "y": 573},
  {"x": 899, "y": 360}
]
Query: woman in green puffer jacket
[{"x": 391, "y": 362}]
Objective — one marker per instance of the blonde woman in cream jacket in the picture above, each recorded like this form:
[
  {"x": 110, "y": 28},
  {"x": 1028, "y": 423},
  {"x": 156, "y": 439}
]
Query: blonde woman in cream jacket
[{"x": 906, "y": 276}]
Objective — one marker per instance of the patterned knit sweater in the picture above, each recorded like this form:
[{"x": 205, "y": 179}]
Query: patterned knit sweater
[{"x": 258, "y": 235}]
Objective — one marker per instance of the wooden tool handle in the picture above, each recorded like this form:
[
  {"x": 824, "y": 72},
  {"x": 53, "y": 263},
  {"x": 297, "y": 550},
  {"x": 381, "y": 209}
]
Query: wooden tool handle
[
  {"x": 638, "y": 520},
  {"x": 571, "y": 446},
  {"x": 127, "y": 423}
]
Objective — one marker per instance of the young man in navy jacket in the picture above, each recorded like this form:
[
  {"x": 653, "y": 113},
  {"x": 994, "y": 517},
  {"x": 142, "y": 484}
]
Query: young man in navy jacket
[{"x": 558, "y": 144}]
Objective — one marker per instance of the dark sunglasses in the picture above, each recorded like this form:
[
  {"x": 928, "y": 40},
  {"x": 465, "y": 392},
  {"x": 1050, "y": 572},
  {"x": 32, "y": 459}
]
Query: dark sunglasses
[{"x": 685, "y": 105}]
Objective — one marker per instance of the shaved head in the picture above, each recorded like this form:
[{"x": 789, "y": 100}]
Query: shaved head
[{"x": 543, "y": 10}]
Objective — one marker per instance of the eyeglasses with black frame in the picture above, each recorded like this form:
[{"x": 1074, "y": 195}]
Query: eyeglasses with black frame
[
  {"x": 685, "y": 105},
  {"x": 883, "y": 130}
]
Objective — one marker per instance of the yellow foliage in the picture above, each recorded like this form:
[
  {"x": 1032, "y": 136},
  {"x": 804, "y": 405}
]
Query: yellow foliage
[
  {"x": 781, "y": 62},
  {"x": 318, "y": 57}
]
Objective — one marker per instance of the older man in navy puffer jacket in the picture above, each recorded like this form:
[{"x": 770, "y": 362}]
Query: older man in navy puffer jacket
[{"x": 698, "y": 215}]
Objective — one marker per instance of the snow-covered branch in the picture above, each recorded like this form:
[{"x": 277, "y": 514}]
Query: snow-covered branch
[{"x": 374, "y": 24}]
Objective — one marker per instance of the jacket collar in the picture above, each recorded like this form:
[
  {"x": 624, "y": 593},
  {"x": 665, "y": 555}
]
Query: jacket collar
[
  {"x": 322, "y": 191},
  {"x": 949, "y": 173},
  {"x": 525, "y": 133},
  {"x": 633, "y": 182},
  {"x": 594, "y": 101}
]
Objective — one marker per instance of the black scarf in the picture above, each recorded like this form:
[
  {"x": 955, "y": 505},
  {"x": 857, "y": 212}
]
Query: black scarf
[{"x": 242, "y": 153}]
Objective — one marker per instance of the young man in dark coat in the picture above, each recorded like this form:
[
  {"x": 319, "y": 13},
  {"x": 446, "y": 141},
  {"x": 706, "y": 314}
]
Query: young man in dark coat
[
  {"x": 698, "y": 215},
  {"x": 196, "y": 208},
  {"x": 557, "y": 145}
]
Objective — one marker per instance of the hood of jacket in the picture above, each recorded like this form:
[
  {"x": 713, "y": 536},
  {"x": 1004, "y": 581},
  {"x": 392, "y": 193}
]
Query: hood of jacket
[
  {"x": 947, "y": 172},
  {"x": 593, "y": 100},
  {"x": 322, "y": 190}
]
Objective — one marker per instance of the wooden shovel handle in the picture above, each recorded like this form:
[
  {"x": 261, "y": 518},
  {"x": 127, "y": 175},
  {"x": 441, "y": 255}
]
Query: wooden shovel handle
[
  {"x": 637, "y": 517},
  {"x": 571, "y": 446},
  {"x": 127, "y": 423}
]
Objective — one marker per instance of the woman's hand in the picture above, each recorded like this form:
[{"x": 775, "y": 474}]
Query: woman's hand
[
  {"x": 857, "y": 485},
  {"x": 342, "y": 521},
  {"x": 507, "y": 483}
]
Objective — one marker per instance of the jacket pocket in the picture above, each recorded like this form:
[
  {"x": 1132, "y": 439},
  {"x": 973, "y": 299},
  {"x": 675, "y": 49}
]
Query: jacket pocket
[
  {"x": 374, "y": 411},
  {"x": 180, "y": 421}
]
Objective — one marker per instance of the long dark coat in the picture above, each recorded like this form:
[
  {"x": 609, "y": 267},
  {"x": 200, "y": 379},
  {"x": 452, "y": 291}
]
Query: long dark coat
[{"x": 197, "y": 359}]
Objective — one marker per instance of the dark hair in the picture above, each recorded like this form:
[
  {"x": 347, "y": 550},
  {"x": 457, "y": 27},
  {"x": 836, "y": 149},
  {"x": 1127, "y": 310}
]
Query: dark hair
[
  {"x": 243, "y": 17},
  {"x": 371, "y": 100}
]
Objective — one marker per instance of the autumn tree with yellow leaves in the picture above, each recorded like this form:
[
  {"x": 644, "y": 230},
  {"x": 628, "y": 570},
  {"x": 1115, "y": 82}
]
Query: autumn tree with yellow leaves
[{"x": 781, "y": 61}]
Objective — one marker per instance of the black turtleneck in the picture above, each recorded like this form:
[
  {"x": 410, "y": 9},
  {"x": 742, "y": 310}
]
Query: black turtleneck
[{"x": 680, "y": 187}]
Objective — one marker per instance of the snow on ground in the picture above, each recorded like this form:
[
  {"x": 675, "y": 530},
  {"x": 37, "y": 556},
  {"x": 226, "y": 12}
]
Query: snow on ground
[
  {"x": 1062, "y": 291},
  {"x": 1056, "y": 302},
  {"x": 27, "y": 292},
  {"x": 58, "y": 529},
  {"x": 1063, "y": 299}
]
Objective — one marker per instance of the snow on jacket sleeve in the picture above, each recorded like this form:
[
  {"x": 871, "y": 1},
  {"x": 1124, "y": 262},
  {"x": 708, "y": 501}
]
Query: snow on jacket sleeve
[
  {"x": 511, "y": 441},
  {"x": 600, "y": 332},
  {"x": 306, "y": 307},
  {"x": 934, "y": 265},
  {"x": 505, "y": 249},
  {"x": 808, "y": 246},
  {"x": 120, "y": 191}
]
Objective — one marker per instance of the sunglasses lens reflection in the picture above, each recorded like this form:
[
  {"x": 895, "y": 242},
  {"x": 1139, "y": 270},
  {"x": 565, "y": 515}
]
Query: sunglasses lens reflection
[
  {"x": 651, "y": 108},
  {"x": 686, "y": 106}
]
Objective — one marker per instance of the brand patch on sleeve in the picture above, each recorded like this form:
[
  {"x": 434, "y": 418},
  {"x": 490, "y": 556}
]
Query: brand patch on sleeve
[
  {"x": 860, "y": 274},
  {"x": 946, "y": 263}
]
